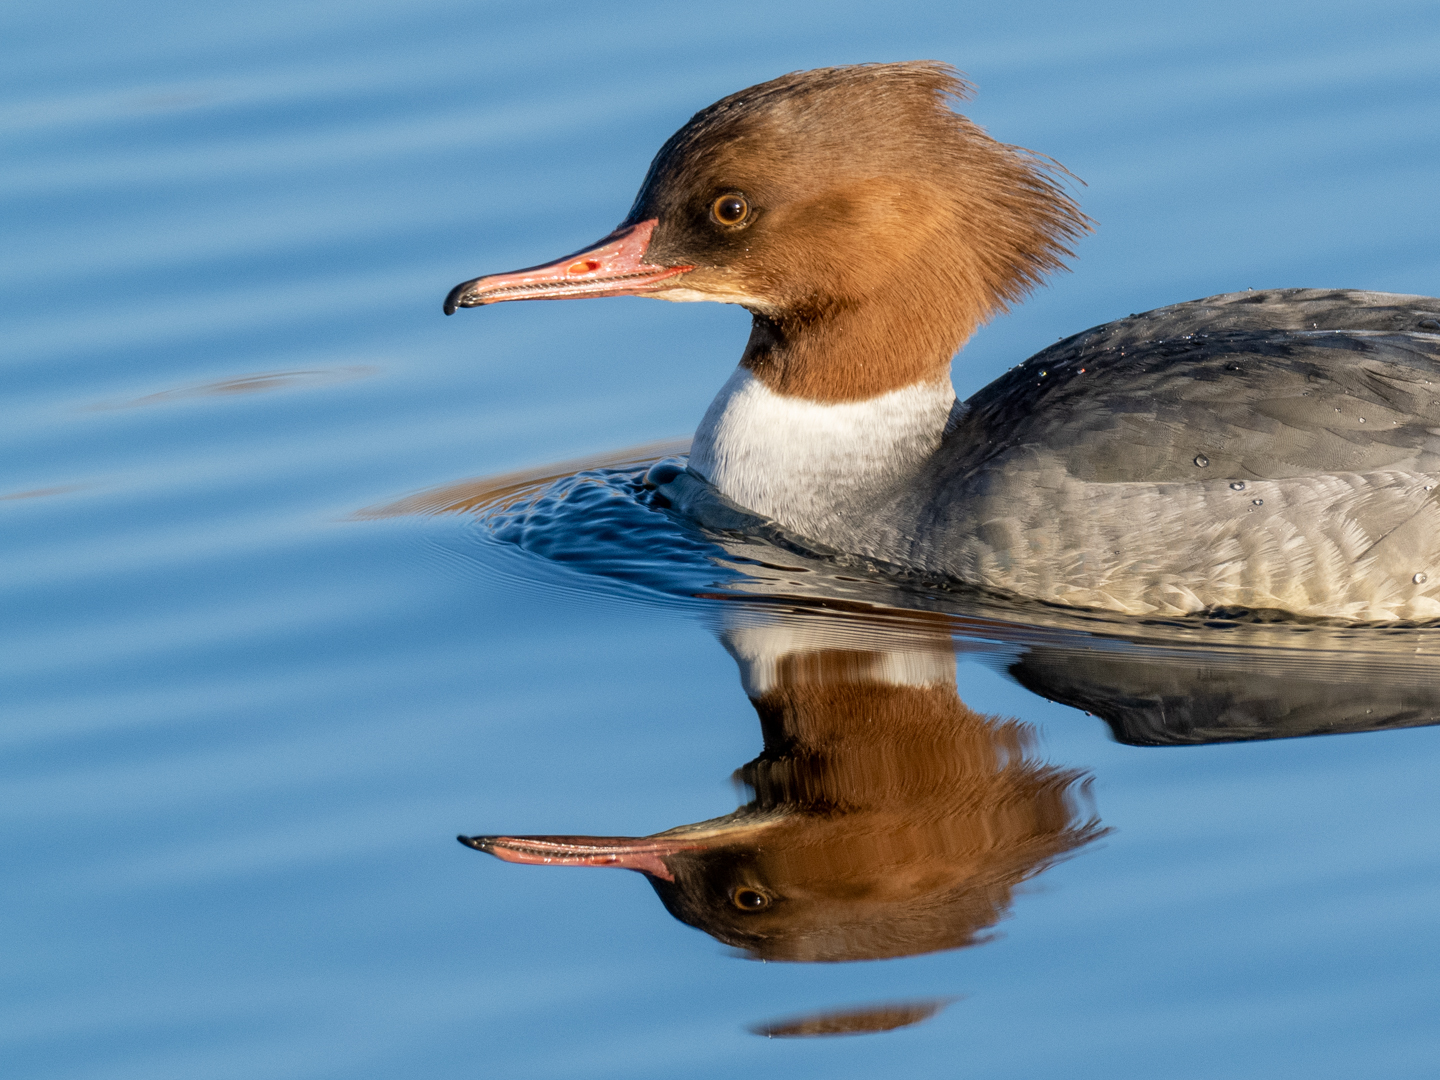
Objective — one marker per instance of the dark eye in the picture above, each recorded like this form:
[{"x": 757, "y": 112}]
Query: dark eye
[
  {"x": 730, "y": 209},
  {"x": 747, "y": 899}
]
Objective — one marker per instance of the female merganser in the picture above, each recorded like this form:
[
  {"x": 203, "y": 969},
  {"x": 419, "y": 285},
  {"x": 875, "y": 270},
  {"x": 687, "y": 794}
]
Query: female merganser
[{"x": 1264, "y": 450}]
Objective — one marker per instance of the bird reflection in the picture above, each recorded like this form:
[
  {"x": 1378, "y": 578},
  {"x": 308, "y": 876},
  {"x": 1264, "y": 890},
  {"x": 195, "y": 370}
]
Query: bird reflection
[
  {"x": 1344, "y": 682},
  {"x": 888, "y": 818}
]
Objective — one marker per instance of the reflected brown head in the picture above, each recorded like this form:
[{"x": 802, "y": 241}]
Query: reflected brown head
[
  {"x": 894, "y": 821},
  {"x": 888, "y": 820},
  {"x": 868, "y": 227}
]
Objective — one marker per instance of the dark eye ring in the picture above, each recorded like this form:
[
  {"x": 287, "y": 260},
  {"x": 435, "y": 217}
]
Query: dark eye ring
[
  {"x": 747, "y": 899},
  {"x": 730, "y": 209}
]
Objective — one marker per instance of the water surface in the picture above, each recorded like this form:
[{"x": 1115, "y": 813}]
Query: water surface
[{"x": 248, "y": 704}]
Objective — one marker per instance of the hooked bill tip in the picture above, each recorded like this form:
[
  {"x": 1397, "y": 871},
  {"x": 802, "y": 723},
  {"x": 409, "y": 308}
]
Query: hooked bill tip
[{"x": 452, "y": 301}]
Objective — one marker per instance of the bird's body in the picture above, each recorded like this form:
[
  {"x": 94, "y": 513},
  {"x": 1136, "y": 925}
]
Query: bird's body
[
  {"x": 1265, "y": 450},
  {"x": 1268, "y": 450}
]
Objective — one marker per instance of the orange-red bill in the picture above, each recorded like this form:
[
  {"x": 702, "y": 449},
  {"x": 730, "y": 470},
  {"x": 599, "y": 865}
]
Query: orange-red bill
[
  {"x": 614, "y": 267},
  {"x": 643, "y": 853}
]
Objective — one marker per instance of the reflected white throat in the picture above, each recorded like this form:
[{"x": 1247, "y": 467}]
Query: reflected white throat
[
  {"x": 772, "y": 653},
  {"x": 807, "y": 464}
]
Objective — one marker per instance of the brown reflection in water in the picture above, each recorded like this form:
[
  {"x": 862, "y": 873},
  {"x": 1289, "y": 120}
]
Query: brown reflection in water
[
  {"x": 861, "y": 1021},
  {"x": 40, "y": 493},
  {"x": 888, "y": 818},
  {"x": 498, "y": 492},
  {"x": 247, "y": 384}
]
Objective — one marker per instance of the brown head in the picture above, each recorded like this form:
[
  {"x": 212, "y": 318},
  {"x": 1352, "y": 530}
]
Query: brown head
[{"x": 867, "y": 227}]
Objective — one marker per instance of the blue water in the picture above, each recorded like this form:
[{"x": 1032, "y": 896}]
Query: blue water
[{"x": 242, "y": 720}]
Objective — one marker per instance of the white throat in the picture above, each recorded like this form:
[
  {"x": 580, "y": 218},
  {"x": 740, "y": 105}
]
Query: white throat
[{"x": 810, "y": 465}]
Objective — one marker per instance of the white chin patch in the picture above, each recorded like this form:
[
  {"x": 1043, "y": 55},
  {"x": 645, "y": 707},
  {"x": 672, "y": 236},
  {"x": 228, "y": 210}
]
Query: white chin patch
[{"x": 694, "y": 296}]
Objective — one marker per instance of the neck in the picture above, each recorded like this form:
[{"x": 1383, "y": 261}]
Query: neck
[
  {"x": 852, "y": 346},
  {"x": 838, "y": 400},
  {"x": 814, "y": 466}
]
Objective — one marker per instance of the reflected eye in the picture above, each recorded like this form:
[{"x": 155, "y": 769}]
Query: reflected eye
[
  {"x": 730, "y": 209},
  {"x": 748, "y": 899}
]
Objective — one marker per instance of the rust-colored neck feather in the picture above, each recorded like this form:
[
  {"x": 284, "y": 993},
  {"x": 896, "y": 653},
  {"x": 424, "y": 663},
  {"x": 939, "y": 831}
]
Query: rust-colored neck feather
[{"x": 936, "y": 264}]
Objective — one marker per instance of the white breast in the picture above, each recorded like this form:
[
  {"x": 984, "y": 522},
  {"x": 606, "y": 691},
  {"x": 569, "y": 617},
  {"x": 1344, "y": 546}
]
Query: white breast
[{"x": 809, "y": 465}]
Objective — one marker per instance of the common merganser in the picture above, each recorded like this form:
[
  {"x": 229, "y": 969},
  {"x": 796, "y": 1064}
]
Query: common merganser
[{"x": 1263, "y": 450}]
